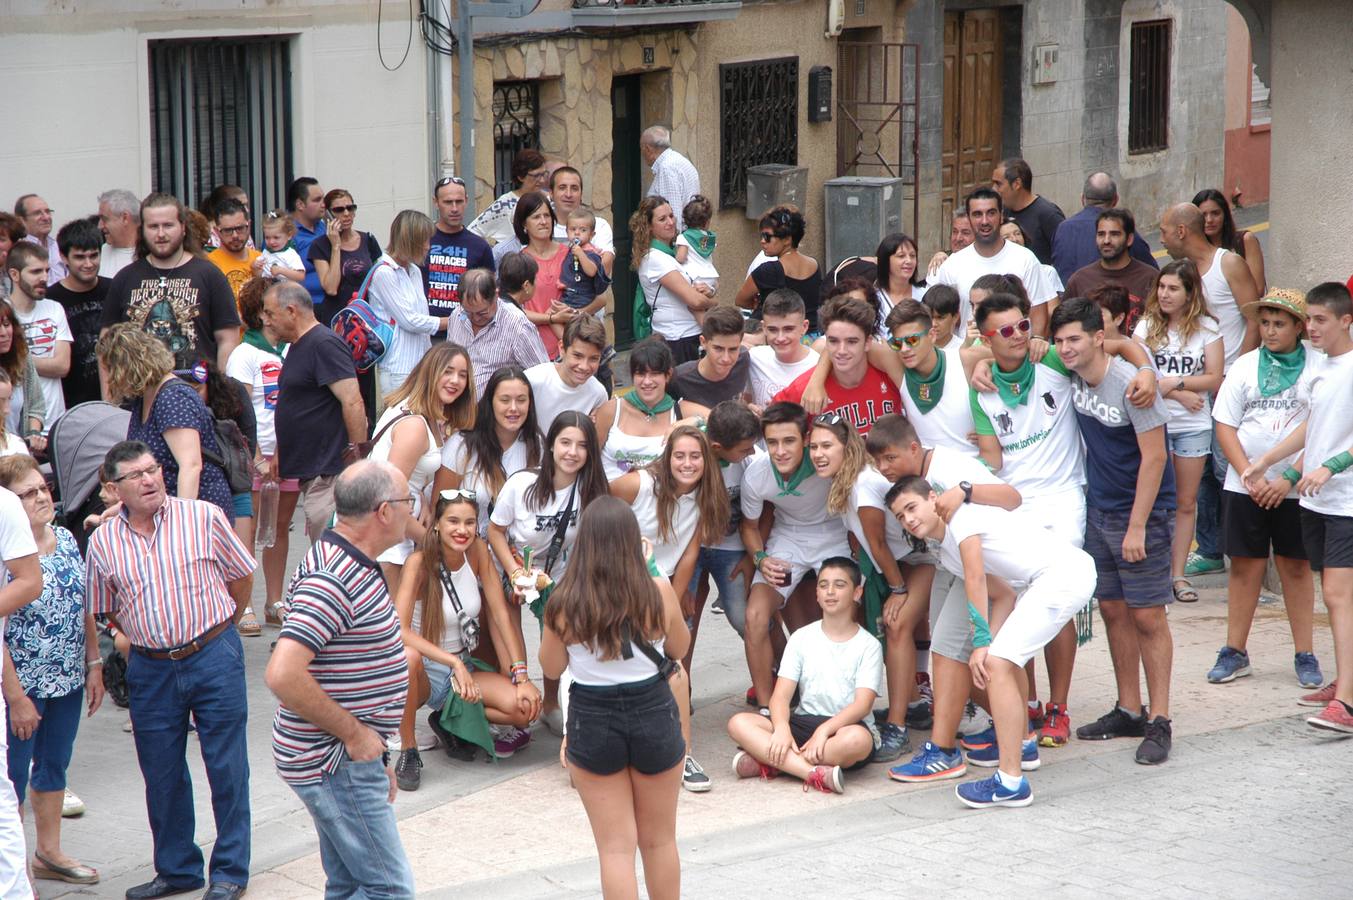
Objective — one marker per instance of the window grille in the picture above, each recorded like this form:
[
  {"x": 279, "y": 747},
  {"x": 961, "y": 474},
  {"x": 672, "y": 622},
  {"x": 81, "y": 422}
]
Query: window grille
[
  {"x": 1149, "y": 87},
  {"x": 516, "y": 112},
  {"x": 758, "y": 121}
]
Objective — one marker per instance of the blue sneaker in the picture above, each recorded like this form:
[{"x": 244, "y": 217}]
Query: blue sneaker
[
  {"x": 1308, "y": 671},
  {"x": 1231, "y": 664},
  {"x": 990, "y": 792},
  {"x": 990, "y": 757},
  {"x": 893, "y": 742},
  {"x": 981, "y": 740},
  {"x": 930, "y": 764}
]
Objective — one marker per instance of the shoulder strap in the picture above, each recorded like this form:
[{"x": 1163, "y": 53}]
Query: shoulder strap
[
  {"x": 375, "y": 439},
  {"x": 449, "y": 583},
  {"x": 366, "y": 281},
  {"x": 627, "y": 638},
  {"x": 560, "y": 530}
]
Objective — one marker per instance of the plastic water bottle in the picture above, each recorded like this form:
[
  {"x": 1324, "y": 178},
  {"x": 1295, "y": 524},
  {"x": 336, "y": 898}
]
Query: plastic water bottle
[{"x": 265, "y": 522}]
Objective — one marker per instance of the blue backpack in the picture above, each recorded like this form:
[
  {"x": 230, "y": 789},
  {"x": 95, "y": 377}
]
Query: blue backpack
[{"x": 367, "y": 334}]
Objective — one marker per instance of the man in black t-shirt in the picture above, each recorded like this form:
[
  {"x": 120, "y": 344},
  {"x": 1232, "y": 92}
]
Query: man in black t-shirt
[
  {"x": 183, "y": 300},
  {"x": 722, "y": 372},
  {"x": 454, "y": 250},
  {"x": 1038, "y": 216},
  {"x": 81, "y": 294}
]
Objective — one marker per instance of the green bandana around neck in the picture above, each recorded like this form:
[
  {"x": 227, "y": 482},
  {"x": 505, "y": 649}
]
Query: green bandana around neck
[
  {"x": 255, "y": 338},
  {"x": 1279, "y": 371},
  {"x": 926, "y": 391},
  {"x": 663, "y": 246},
  {"x": 701, "y": 241},
  {"x": 790, "y": 488},
  {"x": 1015, "y": 387},
  {"x": 666, "y": 403}
]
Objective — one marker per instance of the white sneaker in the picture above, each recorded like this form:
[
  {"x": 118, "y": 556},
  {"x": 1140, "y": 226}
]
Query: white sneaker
[
  {"x": 693, "y": 777},
  {"x": 974, "y": 719},
  {"x": 554, "y": 721},
  {"x": 71, "y": 805}
]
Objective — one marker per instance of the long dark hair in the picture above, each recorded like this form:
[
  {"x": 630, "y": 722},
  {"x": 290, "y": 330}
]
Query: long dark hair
[
  {"x": 606, "y": 586},
  {"x": 591, "y": 477},
  {"x": 14, "y": 360},
  {"x": 1228, "y": 237},
  {"x": 481, "y": 441},
  {"x": 432, "y": 623},
  {"x": 223, "y": 394}
]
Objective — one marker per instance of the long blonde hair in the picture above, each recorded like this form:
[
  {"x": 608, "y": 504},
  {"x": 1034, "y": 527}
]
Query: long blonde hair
[
  {"x": 838, "y": 497},
  {"x": 1195, "y": 309},
  {"x": 418, "y": 393},
  {"x": 711, "y": 497}
]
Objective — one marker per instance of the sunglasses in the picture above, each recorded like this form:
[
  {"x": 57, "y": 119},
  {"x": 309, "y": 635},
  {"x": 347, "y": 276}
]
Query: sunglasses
[
  {"x": 340, "y": 210},
  {"x": 768, "y": 236},
  {"x": 907, "y": 340},
  {"x": 829, "y": 418},
  {"x": 450, "y": 179},
  {"x": 459, "y": 494},
  {"x": 1008, "y": 331}
]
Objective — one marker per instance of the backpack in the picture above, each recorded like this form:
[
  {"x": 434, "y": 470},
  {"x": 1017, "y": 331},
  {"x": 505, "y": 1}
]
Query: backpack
[
  {"x": 367, "y": 334},
  {"x": 234, "y": 459}
]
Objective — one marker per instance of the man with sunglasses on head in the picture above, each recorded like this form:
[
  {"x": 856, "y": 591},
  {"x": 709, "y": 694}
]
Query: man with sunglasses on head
[{"x": 453, "y": 250}]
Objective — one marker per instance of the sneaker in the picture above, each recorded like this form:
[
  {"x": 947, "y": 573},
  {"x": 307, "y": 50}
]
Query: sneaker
[
  {"x": 1035, "y": 717},
  {"x": 71, "y": 805},
  {"x": 1308, "y": 670},
  {"x": 1203, "y": 565},
  {"x": 923, "y": 682},
  {"x": 990, "y": 792},
  {"x": 1056, "y": 730},
  {"x": 979, "y": 741},
  {"x": 827, "y": 779},
  {"x": 930, "y": 764},
  {"x": 974, "y": 719},
  {"x": 990, "y": 757},
  {"x": 554, "y": 721},
  {"x": 409, "y": 770},
  {"x": 693, "y": 778},
  {"x": 751, "y": 696},
  {"x": 1334, "y": 717},
  {"x": 508, "y": 740},
  {"x": 746, "y": 766},
  {"x": 1319, "y": 699},
  {"x": 1155, "y": 747},
  {"x": 717, "y": 606},
  {"x": 1115, "y": 723},
  {"x": 920, "y": 715},
  {"x": 893, "y": 742},
  {"x": 1231, "y": 664},
  {"x": 452, "y": 745}
]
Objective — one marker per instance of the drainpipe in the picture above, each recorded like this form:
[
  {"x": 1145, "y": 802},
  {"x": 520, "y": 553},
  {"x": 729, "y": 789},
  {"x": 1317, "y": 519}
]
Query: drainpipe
[{"x": 441, "y": 112}]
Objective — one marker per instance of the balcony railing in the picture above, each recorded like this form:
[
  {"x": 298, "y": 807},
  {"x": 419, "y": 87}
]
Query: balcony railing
[{"x": 614, "y": 13}]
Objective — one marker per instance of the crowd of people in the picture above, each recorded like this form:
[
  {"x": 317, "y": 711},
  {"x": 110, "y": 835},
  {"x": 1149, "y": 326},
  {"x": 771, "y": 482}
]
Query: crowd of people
[{"x": 899, "y": 480}]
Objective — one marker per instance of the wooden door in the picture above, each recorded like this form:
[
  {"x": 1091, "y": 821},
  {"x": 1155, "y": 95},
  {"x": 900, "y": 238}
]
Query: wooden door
[
  {"x": 971, "y": 144},
  {"x": 626, "y": 192}
]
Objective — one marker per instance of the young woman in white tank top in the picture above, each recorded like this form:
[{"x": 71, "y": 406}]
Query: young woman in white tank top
[
  {"x": 636, "y": 424},
  {"x": 625, "y": 748},
  {"x": 441, "y": 611}
]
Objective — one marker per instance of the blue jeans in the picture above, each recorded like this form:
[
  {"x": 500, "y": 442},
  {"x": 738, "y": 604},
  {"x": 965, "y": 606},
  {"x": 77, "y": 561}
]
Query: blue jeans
[
  {"x": 48, "y": 748},
  {"x": 1208, "y": 529},
  {"x": 359, "y": 844},
  {"x": 210, "y": 686},
  {"x": 732, "y": 591}
]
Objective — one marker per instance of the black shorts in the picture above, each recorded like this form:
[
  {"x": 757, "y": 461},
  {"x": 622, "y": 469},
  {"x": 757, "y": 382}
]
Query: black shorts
[
  {"x": 1328, "y": 539},
  {"x": 802, "y": 726},
  {"x": 623, "y": 726},
  {"x": 1248, "y": 530}
]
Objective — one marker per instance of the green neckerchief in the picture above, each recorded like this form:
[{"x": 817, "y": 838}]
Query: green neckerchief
[
  {"x": 256, "y": 339},
  {"x": 723, "y": 463},
  {"x": 790, "y": 488},
  {"x": 1279, "y": 371},
  {"x": 655, "y": 244},
  {"x": 1014, "y": 387},
  {"x": 926, "y": 392},
  {"x": 701, "y": 241},
  {"x": 666, "y": 403}
]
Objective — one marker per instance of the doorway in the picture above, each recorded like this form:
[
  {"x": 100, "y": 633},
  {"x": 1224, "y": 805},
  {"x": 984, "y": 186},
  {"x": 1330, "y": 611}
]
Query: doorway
[
  {"x": 973, "y": 107},
  {"x": 626, "y": 192}
]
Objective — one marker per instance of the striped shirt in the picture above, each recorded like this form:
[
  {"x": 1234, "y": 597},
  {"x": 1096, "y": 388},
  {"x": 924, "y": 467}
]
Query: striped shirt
[
  {"x": 508, "y": 340},
  {"x": 675, "y": 180},
  {"x": 338, "y": 607},
  {"x": 170, "y": 587}
]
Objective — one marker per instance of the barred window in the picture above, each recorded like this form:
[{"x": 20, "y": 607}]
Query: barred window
[
  {"x": 220, "y": 113},
  {"x": 516, "y": 112},
  {"x": 758, "y": 121},
  {"x": 1149, "y": 87}
]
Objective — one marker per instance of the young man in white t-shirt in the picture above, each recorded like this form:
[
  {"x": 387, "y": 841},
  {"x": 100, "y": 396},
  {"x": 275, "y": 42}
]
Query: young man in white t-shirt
[
  {"x": 45, "y": 328},
  {"x": 569, "y": 384},
  {"x": 733, "y": 431},
  {"x": 784, "y": 357},
  {"x": 836, "y": 667},
  {"x": 975, "y": 542},
  {"x": 933, "y": 385}
]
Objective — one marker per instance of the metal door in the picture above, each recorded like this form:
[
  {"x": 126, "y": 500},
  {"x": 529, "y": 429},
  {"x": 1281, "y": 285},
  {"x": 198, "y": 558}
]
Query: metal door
[
  {"x": 626, "y": 192},
  {"x": 878, "y": 95}
]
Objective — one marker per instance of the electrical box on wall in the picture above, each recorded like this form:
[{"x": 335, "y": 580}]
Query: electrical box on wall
[
  {"x": 820, "y": 94},
  {"x": 1046, "y": 67}
]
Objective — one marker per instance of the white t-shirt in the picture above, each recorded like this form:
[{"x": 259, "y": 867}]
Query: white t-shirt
[
  {"x": 1261, "y": 423},
  {"x": 467, "y": 592},
  {"x": 456, "y": 457},
  {"x": 603, "y": 238},
  {"x": 114, "y": 259},
  {"x": 949, "y": 467},
  {"x": 732, "y": 482},
  {"x": 961, "y": 269},
  {"x": 671, "y": 317},
  {"x": 13, "y": 445},
  {"x": 886, "y": 305},
  {"x": 803, "y": 508},
  {"x": 1330, "y": 432},
  {"x": 1175, "y": 360},
  {"x": 1010, "y": 548},
  {"x": 685, "y": 518},
  {"x": 769, "y": 376},
  {"x": 529, "y": 526},
  {"x": 16, "y": 539},
  {"x": 286, "y": 258},
  {"x": 829, "y": 672},
  {"x": 1041, "y": 450},
  {"x": 43, "y": 328},
  {"x": 260, "y": 370},
  {"x": 869, "y": 490},
  {"x": 949, "y": 422},
  {"x": 552, "y": 395},
  {"x": 697, "y": 268}
]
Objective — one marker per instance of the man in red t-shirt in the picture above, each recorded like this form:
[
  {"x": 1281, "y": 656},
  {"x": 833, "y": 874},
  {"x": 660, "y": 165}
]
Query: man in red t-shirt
[{"x": 855, "y": 389}]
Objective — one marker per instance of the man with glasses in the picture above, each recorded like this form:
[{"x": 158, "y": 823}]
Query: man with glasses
[
  {"x": 529, "y": 173},
  {"x": 172, "y": 576},
  {"x": 237, "y": 261},
  {"x": 37, "y": 218},
  {"x": 675, "y": 179},
  {"x": 453, "y": 251}
]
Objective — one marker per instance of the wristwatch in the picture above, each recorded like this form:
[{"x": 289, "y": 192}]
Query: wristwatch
[
  {"x": 897, "y": 590},
  {"x": 966, "y": 487}
]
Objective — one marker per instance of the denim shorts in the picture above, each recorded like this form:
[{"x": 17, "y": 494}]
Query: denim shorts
[
  {"x": 439, "y": 683},
  {"x": 1142, "y": 584},
  {"x": 614, "y": 727},
  {"x": 243, "y": 505},
  {"x": 1191, "y": 444}
]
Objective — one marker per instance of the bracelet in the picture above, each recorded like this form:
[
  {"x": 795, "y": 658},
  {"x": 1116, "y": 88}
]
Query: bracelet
[
  {"x": 1146, "y": 368},
  {"x": 981, "y": 632},
  {"x": 1291, "y": 474},
  {"x": 759, "y": 556},
  {"x": 91, "y": 663},
  {"x": 897, "y": 589},
  {"x": 1339, "y": 463}
]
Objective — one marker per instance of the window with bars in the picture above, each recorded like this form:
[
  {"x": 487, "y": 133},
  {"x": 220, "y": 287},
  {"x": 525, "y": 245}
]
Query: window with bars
[
  {"x": 220, "y": 113},
  {"x": 758, "y": 121},
  {"x": 516, "y": 112},
  {"x": 1149, "y": 86}
]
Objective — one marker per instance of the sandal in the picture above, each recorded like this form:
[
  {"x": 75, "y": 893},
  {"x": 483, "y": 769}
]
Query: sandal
[
  {"x": 76, "y": 874},
  {"x": 1185, "y": 594},
  {"x": 248, "y": 624},
  {"x": 272, "y": 613}
]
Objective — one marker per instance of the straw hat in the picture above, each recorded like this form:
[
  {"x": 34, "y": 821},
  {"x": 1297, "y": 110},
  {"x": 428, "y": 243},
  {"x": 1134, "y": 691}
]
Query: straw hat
[{"x": 1288, "y": 301}]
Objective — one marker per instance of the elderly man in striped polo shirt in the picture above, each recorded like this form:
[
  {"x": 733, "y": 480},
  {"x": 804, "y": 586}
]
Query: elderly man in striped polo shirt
[{"x": 171, "y": 574}]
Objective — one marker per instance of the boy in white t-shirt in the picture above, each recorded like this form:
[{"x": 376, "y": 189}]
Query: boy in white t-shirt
[
  {"x": 784, "y": 357},
  {"x": 570, "y": 383},
  {"x": 978, "y": 541},
  {"x": 836, "y": 667}
]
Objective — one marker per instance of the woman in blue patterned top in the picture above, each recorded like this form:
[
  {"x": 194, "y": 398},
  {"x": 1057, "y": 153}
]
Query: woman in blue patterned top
[{"x": 51, "y": 646}]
